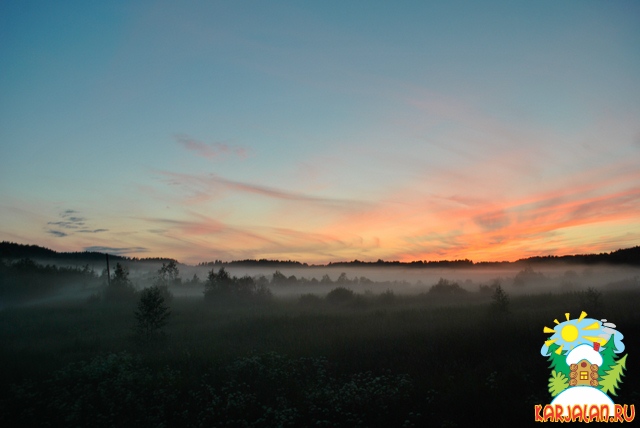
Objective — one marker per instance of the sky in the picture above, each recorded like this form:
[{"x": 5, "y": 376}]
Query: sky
[{"x": 321, "y": 131}]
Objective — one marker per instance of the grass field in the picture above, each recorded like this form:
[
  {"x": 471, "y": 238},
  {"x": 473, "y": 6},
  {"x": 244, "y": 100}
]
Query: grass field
[{"x": 370, "y": 361}]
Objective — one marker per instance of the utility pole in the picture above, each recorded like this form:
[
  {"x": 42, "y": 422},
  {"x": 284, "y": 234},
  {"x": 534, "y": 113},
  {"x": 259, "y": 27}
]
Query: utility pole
[{"x": 108, "y": 272}]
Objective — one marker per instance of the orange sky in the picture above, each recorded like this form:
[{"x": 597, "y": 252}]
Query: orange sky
[{"x": 404, "y": 132}]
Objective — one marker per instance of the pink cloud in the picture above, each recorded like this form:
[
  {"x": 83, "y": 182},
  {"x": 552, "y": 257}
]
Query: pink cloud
[
  {"x": 207, "y": 187},
  {"x": 252, "y": 241},
  {"x": 416, "y": 226}
]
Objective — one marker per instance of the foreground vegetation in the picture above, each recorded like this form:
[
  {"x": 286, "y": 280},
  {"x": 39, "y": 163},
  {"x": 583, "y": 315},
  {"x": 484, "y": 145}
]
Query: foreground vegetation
[{"x": 344, "y": 359}]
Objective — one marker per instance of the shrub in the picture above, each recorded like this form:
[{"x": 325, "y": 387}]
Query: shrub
[
  {"x": 310, "y": 300},
  {"x": 340, "y": 295},
  {"x": 490, "y": 288},
  {"x": 447, "y": 287},
  {"x": 110, "y": 390},
  {"x": 387, "y": 297},
  {"x": 526, "y": 276},
  {"x": 274, "y": 390}
]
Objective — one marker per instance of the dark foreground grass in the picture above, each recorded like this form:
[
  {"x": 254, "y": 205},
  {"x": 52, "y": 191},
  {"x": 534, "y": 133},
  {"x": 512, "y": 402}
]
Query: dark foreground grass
[{"x": 406, "y": 361}]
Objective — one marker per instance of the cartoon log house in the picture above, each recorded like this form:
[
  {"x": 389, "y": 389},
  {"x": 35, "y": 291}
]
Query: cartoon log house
[{"x": 584, "y": 362}]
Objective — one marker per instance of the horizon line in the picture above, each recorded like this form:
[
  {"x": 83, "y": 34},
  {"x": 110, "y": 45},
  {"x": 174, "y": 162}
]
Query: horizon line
[{"x": 330, "y": 263}]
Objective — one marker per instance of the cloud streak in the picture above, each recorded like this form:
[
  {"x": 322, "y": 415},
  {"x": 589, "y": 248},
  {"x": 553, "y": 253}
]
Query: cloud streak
[
  {"x": 211, "y": 150},
  {"x": 254, "y": 241},
  {"x": 431, "y": 225},
  {"x": 119, "y": 251},
  {"x": 204, "y": 188},
  {"x": 70, "y": 223}
]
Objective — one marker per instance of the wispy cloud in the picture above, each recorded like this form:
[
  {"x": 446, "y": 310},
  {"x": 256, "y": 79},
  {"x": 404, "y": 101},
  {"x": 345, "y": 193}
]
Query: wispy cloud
[
  {"x": 70, "y": 223},
  {"x": 69, "y": 220},
  {"x": 414, "y": 225},
  {"x": 211, "y": 150},
  {"x": 206, "y": 226},
  {"x": 207, "y": 187},
  {"x": 120, "y": 251},
  {"x": 492, "y": 220},
  {"x": 256, "y": 241}
]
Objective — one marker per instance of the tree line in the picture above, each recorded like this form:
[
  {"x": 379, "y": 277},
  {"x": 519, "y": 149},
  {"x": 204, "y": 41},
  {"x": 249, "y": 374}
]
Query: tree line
[{"x": 627, "y": 256}]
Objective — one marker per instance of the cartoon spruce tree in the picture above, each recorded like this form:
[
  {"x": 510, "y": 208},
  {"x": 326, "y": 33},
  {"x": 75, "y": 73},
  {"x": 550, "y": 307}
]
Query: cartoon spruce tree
[
  {"x": 611, "y": 379},
  {"x": 559, "y": 380},
  {"x": 608, "y": 357},
  {"x": 558, "y": 361}
]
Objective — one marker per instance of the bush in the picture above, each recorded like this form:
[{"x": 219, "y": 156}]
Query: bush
[
  {"x": 446, "y": 287},
  {"x": 274, "y": 390},
  {"x": 527, "y": 276},
  {"x": 110, "y": 390},
  {"x": 309, "y": 300},
  {"x": 490, "y": 288},
  {"x": 340, "y": 295},
  {"x": 387, "y": 298}
]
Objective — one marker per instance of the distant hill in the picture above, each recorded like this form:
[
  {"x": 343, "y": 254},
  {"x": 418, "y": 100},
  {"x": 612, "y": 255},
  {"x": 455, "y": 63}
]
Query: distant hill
[
  {"x": 13, "y": 251},
  {"x": 10, "y": 250},
  {"x": 627, "y": 256}
]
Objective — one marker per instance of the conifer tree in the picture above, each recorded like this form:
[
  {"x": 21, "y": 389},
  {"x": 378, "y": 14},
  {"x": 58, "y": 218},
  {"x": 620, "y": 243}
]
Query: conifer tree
[
  {"x": 608, "y": 356},
  {"x": 558, "y": 361},
  {"x": 612, "y": 377}
]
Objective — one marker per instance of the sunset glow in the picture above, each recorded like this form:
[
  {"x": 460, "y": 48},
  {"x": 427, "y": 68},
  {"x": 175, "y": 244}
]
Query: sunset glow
[{"x": 321, "y": 131}]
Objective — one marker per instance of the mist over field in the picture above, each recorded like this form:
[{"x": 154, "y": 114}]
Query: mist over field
[
  {"x": 311, "y": 343},
  {"x": 292, "y": 282}
]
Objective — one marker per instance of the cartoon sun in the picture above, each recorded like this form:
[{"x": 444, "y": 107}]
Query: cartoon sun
[{"x": 571, "y": 333}]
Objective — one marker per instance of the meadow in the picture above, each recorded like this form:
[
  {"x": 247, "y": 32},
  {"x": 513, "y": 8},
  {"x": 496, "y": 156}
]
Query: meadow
[{"x": 368, "y": 360}]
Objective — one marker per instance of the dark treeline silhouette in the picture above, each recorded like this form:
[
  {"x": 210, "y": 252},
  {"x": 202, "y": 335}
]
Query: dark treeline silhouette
[
  {"x": 256, "y": 263},
  {"x": 14, "y": 251},
  {"x": 418, "y": 263},
  {"x": 25, "y": 279},
  {"x": 278, "y": 278},
  {"x": 221, "y": 286},
  {"x": 10, "y": 250},
  {"x": 628, "y": 256}
]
